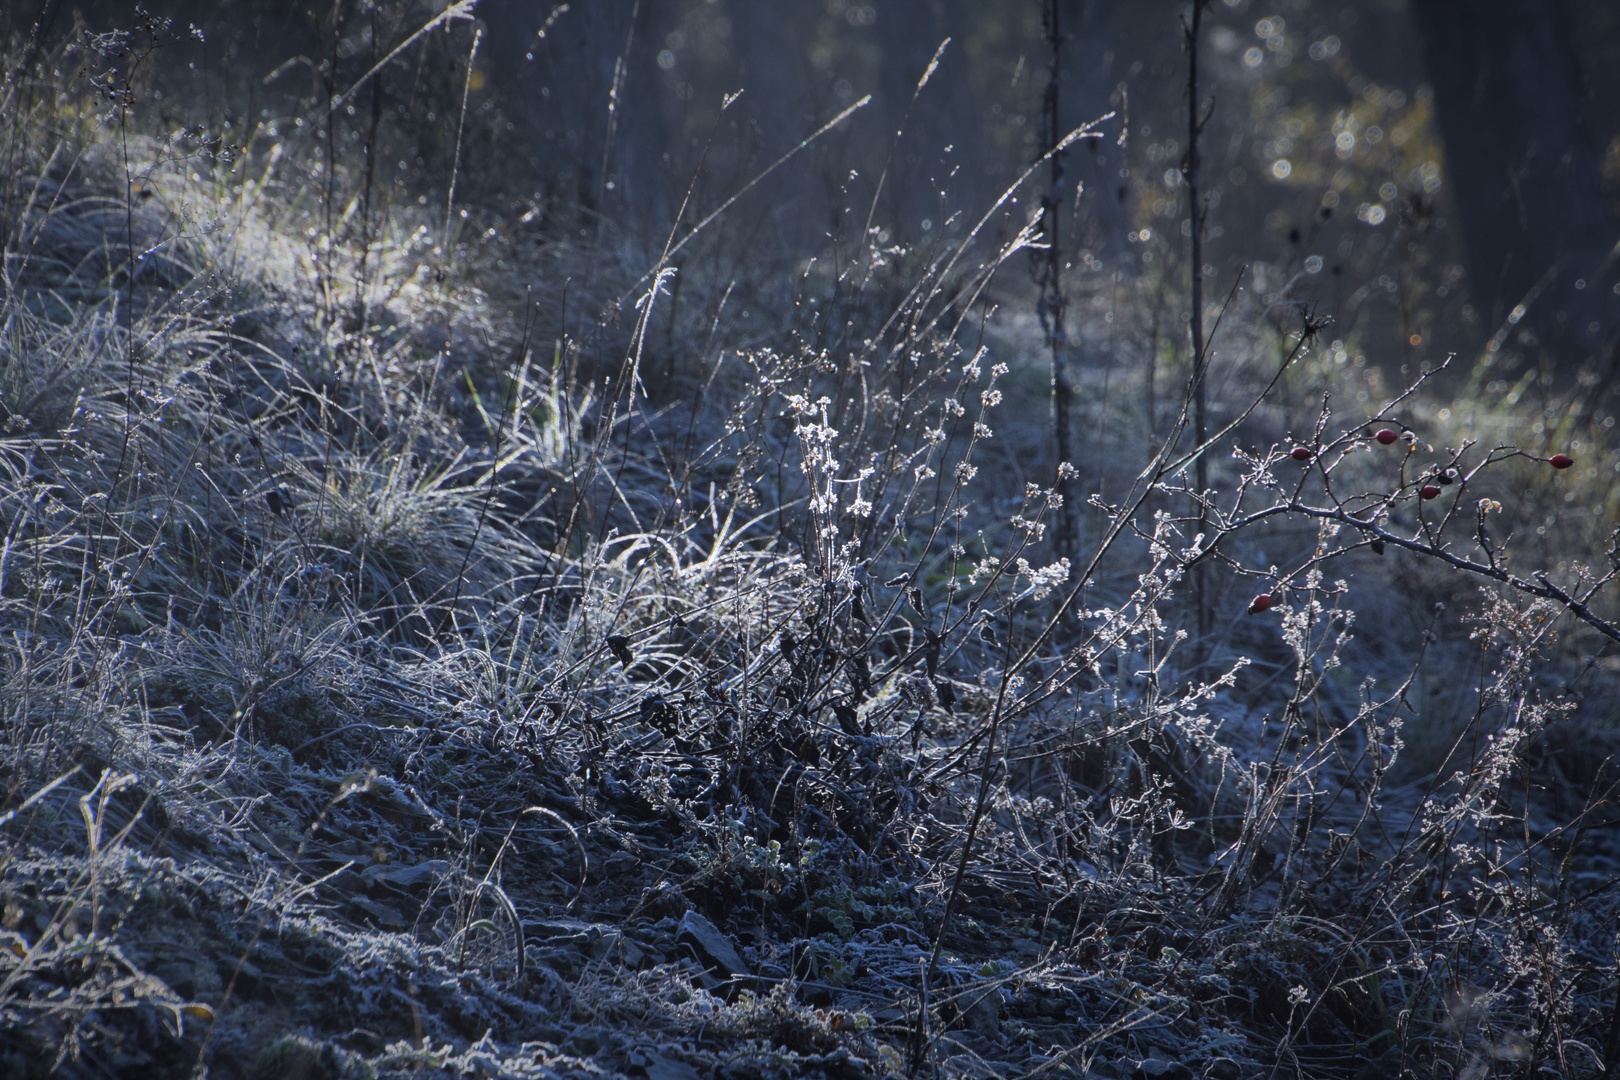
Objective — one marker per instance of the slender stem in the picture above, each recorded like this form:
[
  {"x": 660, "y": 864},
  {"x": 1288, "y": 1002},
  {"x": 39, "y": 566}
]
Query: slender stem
[
  {"x": 461, "y": 124},
  {"x": 615, "y": 93},
  {"x": 1050, "y": 278},
  {"x": 1195, "y": 212}
]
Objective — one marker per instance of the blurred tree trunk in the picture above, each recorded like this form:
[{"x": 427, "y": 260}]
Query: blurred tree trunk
[
  {"x": 559, "y": 90},
  {"x": 1523, "y": 164},
  {"x": 1094, "y": 90}
]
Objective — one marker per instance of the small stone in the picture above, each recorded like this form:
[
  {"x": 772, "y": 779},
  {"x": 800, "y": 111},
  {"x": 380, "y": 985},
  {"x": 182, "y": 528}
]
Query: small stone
[
  {"x": 1156, "y": 1068},
  {"x": 660, "y": 1067},
  {"x": 711, "y": 944},
  {"x": 406, "y": 878}
]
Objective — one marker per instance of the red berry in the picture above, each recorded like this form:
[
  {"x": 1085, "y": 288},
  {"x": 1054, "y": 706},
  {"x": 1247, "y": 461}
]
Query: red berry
[
  {"x": 1430, "y": 491},
  {"x": 1259, "y": 603},
  {"x": 1386, "y": 436},
  {"x": 1301, "y": 453},
  {"x": 1560, "y": 461}
]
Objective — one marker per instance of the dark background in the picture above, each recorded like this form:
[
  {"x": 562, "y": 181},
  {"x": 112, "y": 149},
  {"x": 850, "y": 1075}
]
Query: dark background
[{"x": 1484, "y": 170}]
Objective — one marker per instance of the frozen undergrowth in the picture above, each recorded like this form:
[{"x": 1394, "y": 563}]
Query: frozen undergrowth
[{"x": 392, "y": 687}]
